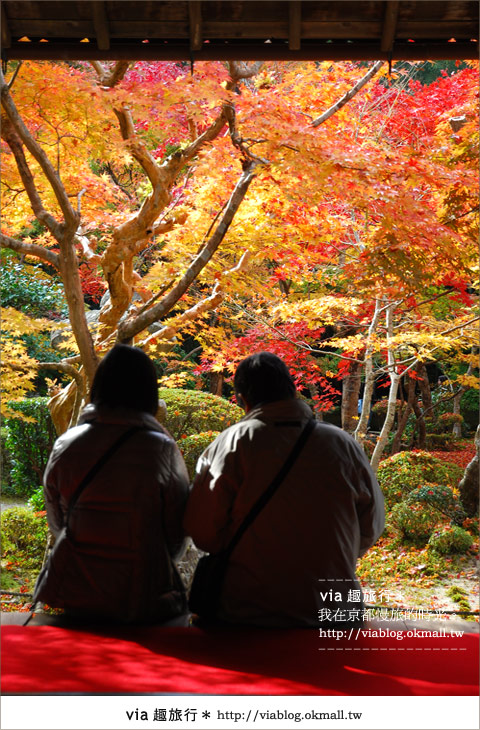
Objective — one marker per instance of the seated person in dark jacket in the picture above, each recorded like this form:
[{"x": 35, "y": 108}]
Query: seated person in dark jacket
[
  {"x": 126, "y": 527},
  {"x": 295, "y": 563}
]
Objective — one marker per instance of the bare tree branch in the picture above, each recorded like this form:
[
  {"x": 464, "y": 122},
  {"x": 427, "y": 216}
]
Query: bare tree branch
[
  {"x": 11, "y": 137},
  {"x": 205, "y": 305},
  {"x": 243, "y": 69},
  {"x": 110, "y": 77},
  {"x": 30, "y": 249},
  {"x": 14, "y": 75},
  {"x": 69, "y": 214},
  {"x": 136, "y": 324},
  {"x": 349, "y": 95}
]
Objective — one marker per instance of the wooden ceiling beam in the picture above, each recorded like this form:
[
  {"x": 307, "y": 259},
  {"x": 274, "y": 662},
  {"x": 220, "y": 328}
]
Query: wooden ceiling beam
[
  {"x": 6, "y": 35},
  {"x": 195, "y": 19},
  {"x": 402, "y": 51},
  {"x": 100, "y": 24},
  {"x": 294, "y": 25},
  {"x": 389, "y": 26}
]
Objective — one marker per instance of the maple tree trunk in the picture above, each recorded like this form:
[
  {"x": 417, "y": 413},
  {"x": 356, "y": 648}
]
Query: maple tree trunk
[
  {"x": 216, "y": 383},
  {"x": 76, "y": 311},
  {"x": 419, "y": 426},
  {"x": 388, "y": 423},
  {"x": 427, "y": 405},
  {"x": 392, "y": 394},
  {"x": 350, "y": 396},
  {"x": 361, "y": 430},
  {"x": 424, "y": 386},
  {"x": 457, "y": 427},
  {"x": 402, "y": 422}
]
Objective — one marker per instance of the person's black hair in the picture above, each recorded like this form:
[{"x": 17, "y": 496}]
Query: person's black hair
[
  {"x": 263, "y": 378},
  {"x": 126, "y": 378}
]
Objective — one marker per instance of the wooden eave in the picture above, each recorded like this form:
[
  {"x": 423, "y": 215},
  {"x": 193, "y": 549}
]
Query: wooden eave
[{"x": 240, "y": 30}]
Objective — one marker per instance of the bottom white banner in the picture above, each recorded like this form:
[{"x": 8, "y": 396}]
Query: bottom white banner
[{"x": 182, "y": 712}]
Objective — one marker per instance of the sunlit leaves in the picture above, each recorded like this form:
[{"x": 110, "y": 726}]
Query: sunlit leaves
[{"x": 18, "y": 369}]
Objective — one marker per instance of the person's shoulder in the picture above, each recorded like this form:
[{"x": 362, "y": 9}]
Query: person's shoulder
[
  {"x": 329, "y": 430},
  {"x": 231, "y": 438},
  {"x": 65, "y": 442},
  {"x": 328, "y": 433},
  {"x": 153, "y": 434},
  {"x": 70, "y": 436}
]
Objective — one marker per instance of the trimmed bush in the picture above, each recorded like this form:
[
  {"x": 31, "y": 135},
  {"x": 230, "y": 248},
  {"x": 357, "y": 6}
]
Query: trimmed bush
[
  {"x": 193, "y": 446},
  {"x": 24, "y": 536},
  {"x": 415, "y": 522},
  {"x": 194, "y": 412},
  {"x": 450, "y": 539},
  {"x": 439, "y": 431},
  {"x": 28, "y": 444},
  {"x": 442, "y": 498},
  {"x": 441, "y": 441},
  {"x": 401, "y": 473},
  {"x": 446, "y": 421}
]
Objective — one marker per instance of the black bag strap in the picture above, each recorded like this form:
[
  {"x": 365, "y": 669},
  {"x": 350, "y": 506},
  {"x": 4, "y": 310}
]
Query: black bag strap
[
  {"x": 269, "y": 492},
  {"x": 97, "y": 466}
]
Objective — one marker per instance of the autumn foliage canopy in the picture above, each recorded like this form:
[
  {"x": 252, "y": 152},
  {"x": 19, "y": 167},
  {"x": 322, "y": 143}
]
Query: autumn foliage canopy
[{"x": 280, "y": 206}]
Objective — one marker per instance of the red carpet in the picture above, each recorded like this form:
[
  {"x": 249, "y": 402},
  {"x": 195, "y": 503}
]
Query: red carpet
[{"x": 49, "y": 659}]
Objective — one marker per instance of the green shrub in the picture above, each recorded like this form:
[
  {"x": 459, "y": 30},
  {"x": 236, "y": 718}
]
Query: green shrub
[
  {"x": 469, "y": 400},
  {"x": 399, "y": 474},
  {"x": 450, "y": 539},
  {"x": 446, "y": 421},
  {"x": 24, "y": 536},
  {"x": 439, "y": 431},
  {"x": 442, "y": 498},
  {"x": 194, "y": 412},
  {"x": 193, "y": 446},
  {"x": 39, "y": 348},
  {"x": 415, "y": 522},
  {"x": 28, "y": 445},
  {"x": 6, "y": 463},
  {"x": 37, "y": 500},
  {"x": 441, "y": 441},
  {"x": 26, "y": 287}
]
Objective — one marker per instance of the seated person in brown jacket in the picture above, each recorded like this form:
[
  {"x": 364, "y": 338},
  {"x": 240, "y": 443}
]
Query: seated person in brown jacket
[{"x": 125, "y": 529}]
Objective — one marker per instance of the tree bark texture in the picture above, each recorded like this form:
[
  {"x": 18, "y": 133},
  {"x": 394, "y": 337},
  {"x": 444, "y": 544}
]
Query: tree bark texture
[
  {"x": 468, "y": 486},
  {"x": 350, "y": 395}
]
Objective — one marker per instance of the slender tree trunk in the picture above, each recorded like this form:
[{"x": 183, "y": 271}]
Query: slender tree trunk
[
  {"x": 350, "y": 394},
  {"x": 427, "y": 406},
  {"x": 457, "y": 427},
  {"x": 361, "y": 430},
  {"x": 424, "y": 386},
  {"x": 76, "y": 311},
  {"x": 392, "y": 395},
  {"x": 419, "y": 426},
  {"x": 402, "y": 422},
  {"x": 216, "y": 383}
]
